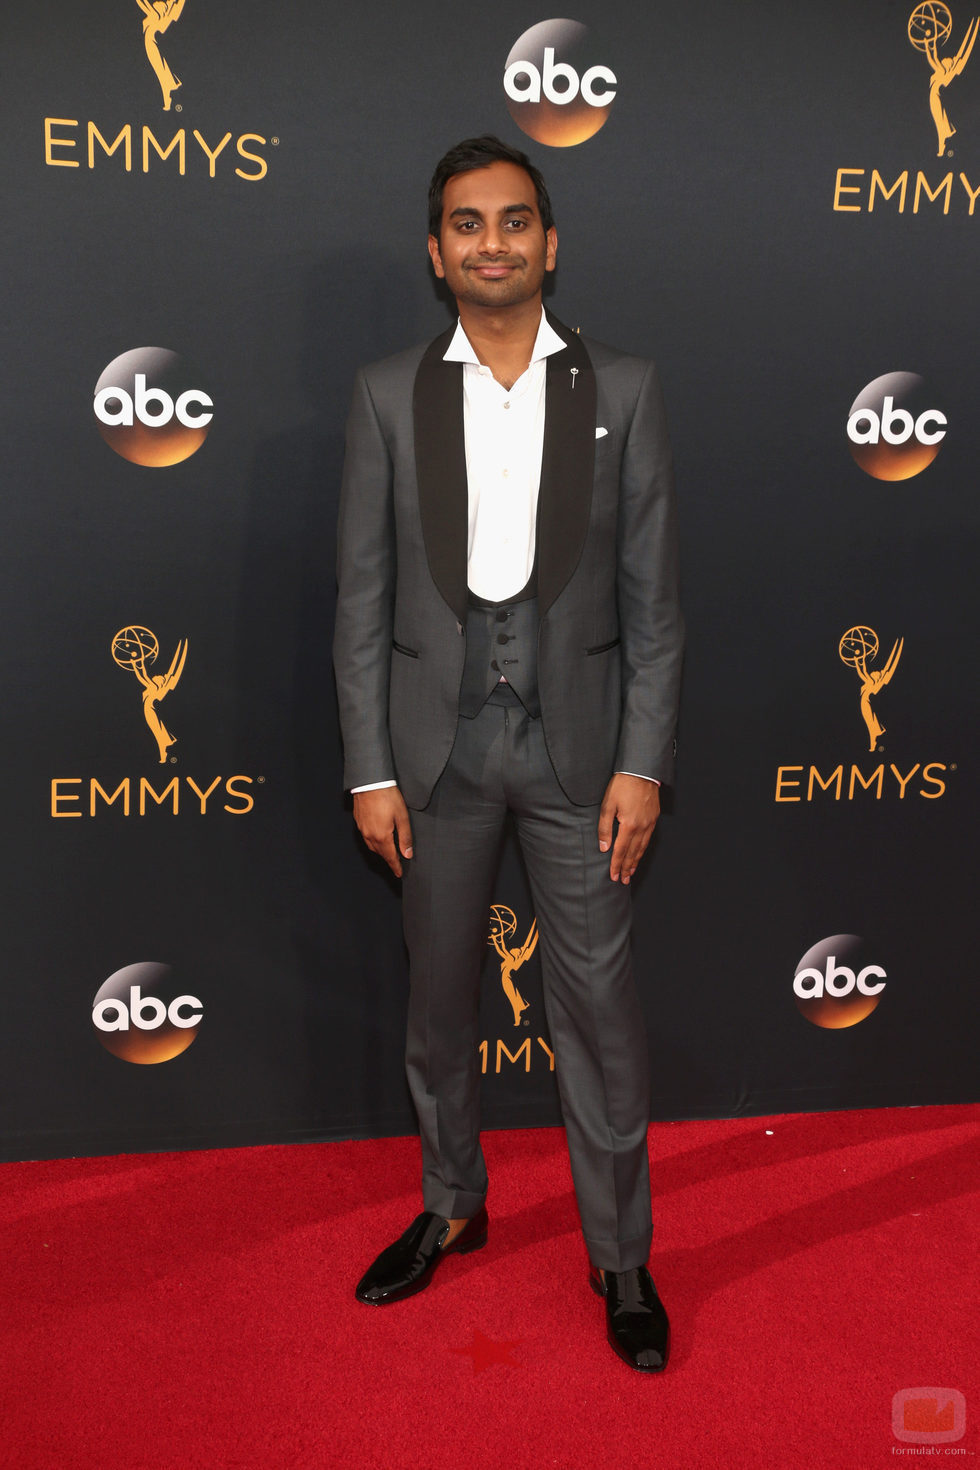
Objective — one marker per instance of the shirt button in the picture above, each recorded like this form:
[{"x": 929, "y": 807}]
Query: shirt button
[
  {"x": 506, "y": 474},
  {"x": 507, "y": 404}
]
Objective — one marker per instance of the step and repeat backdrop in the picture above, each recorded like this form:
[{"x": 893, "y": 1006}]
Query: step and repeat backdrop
[{"x": 215, "y": 212}]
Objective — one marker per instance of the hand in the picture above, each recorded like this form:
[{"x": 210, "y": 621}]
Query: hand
[
  {"x": 379, "y": 815},
  {"x": 635, "y": 804}
]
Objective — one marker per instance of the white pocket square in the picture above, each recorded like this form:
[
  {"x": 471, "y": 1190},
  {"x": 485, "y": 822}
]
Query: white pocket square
[{"x": 601, "y": 433}]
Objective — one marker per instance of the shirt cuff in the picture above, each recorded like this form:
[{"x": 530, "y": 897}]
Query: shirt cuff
[
  {"x": 374, "y": 786},
  {"x": 639, "y": 777}
]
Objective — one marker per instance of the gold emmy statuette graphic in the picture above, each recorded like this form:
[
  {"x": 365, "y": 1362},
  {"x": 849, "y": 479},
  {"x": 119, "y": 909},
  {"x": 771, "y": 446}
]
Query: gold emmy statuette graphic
[
  {"x": 135, "y": 647},
  {"x": 158, "y": 15},
  {"x": 503, "y": 923},
  {"x": 857, "y": 646},
  {"x": 930, "y": 26}
]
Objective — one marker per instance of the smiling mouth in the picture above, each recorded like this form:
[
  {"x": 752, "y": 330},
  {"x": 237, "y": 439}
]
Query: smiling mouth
[{"x": 493, "y": 268}]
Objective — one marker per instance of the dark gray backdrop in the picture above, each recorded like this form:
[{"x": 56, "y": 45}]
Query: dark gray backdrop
[{"x": 698, "y": 226}]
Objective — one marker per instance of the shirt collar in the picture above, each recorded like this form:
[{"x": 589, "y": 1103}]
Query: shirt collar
[{"x": 545, "y": 343}]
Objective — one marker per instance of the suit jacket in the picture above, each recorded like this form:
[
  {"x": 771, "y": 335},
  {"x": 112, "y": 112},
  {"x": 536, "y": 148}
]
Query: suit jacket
[{"x": 611, "y": 634}]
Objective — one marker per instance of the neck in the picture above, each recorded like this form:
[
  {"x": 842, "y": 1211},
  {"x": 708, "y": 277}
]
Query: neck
[{"x": 502, "y": 337}]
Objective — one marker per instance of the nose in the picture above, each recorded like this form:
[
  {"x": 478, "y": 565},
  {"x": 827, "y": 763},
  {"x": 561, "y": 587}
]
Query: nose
[{"x": 493, "y": 242}]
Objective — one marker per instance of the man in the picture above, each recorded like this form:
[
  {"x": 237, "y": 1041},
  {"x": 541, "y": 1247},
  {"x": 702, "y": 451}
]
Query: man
[{"x": 508, "y": 639}]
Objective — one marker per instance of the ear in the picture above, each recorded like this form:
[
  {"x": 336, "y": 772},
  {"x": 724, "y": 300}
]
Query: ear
[
  {"x": 435, "y": 257},
  {"x": 551, "y": 236}
]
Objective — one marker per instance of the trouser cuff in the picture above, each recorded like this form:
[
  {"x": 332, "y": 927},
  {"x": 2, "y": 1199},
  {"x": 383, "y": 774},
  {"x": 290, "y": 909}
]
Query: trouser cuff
[
  {"x": 620, "y": 1255},
  {"x": 451, "y": 1204}
]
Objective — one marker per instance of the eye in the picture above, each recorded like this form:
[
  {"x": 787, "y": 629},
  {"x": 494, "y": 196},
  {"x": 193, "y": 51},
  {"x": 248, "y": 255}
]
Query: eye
[{"x": 518, "y": 223}]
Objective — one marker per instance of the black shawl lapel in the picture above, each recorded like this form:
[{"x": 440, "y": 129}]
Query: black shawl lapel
[
  {"x": 440, "y": 467},
  {"x": 567, "y": 465}
]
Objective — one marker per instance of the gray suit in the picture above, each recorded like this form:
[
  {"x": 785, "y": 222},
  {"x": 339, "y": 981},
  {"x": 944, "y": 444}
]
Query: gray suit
[{"x": 608, "y": 667}]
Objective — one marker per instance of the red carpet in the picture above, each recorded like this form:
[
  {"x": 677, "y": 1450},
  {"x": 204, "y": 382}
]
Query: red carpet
[{"x": 173, "y": 1311}]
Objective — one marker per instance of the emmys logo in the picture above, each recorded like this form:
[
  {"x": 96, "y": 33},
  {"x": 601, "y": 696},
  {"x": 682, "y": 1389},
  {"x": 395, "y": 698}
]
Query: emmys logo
[
  {"x": 136, "y": 650},
  {"x": 558, "y": 102},
  {"x": 133, "y": 1022},
  {"x": 158, "y": 17},
  {"x": 889, "y": 442},
  {"x": 858, "y": 190},
  {"x": 833, "y": 994},
  {"x": 503, "y": 926},
  {"x": 856, "y": 647},
  {"x": 160, "y": 424},
  {"x": 931, "y": 26},
  {"x": 503, "y": 923},
  {"x": 68, "y": 140},
  {"x": 135, "y": 647}
]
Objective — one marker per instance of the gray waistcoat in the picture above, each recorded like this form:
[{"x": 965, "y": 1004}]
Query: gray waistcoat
[{"x": 500, "y": 640}]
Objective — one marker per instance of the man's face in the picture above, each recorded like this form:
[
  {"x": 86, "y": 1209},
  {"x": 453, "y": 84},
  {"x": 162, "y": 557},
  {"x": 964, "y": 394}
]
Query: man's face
[{"x": 492, "y": 248}]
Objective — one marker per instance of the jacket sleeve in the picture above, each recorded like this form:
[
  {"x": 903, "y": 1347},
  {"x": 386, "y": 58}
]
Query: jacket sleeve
[
  {"x": 366, "y": 589},
  {"x": 647, "y": 588}
]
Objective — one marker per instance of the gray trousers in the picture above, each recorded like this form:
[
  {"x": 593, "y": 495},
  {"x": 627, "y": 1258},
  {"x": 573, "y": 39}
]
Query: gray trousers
[{"x": 499, "y": 763}]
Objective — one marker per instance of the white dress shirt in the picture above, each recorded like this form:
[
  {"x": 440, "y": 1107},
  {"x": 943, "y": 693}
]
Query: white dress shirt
[{"x": 504, "y": 435}]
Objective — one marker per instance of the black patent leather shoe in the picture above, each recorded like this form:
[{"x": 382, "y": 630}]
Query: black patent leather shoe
[
  {"x": 407, "y": 1266},
  {"x": 636, "y": 1322}
]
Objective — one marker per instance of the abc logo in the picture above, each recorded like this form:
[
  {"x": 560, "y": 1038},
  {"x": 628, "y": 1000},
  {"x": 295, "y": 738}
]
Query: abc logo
[
  {"x": 134, "y": 1021},
  {"x": 556, "y": 91},
  {"x": 833, "y": 986},
  {"x": 892, "y": 431},
  {"x": 146, "y": 409}
]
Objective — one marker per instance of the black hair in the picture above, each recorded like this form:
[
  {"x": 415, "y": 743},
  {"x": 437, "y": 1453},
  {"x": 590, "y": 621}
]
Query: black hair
[{"x": 475, "y": 153}]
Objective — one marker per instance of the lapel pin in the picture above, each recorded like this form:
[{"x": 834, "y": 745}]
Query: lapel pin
[{"x": 574, "y": 373}]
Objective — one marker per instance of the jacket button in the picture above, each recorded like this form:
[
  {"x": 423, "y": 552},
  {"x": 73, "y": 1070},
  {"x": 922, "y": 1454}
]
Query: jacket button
[
  {"x": 495, "y": 666},
  {"x": 503, "y": 637},
  {"x": 502, "y": 616}
]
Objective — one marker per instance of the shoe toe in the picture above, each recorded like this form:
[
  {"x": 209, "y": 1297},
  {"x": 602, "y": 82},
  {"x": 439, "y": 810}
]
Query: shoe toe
[
  {"x": 650, "y": 1359},
  {"x": 369, "y": 1290},
  {"x": 636, "y": 1323}
]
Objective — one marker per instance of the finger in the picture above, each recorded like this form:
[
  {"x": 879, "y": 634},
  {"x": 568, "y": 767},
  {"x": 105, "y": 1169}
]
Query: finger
[
  {"x": 404, "y": 834},
  {"x": 389, "y": 852},
  {"x": 637, "y": 848},
  {"x": 642, "y": 838},
  {"x": 605, "y": 832},
  {"x": 384, "y": 845},
  {"x": 619, "y": 853}
]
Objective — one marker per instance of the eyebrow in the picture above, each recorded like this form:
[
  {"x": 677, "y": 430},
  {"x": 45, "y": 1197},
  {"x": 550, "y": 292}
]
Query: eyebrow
[{"x": 464, "y": 212}]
